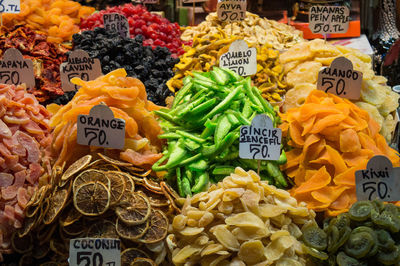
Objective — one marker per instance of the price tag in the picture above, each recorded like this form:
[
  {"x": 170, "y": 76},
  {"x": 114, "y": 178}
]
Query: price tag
[
  {"x": 94, "y": 251},
  {"x": 101, "y": 129},
  {"x": 233, "y": 10},
  {"x": 79, "y": 65},
  {"x": 240, "y": 58},
  {"x": 329, "y": 19},
  {"x": 261, "y": 140},
  {"x": 379, "y": 180},
  {"x": 10, "y": 6},
  {"x": 341, "y": 79},
  {"x": 14, "y": 69},
  {"x": 116, "y": 22}
]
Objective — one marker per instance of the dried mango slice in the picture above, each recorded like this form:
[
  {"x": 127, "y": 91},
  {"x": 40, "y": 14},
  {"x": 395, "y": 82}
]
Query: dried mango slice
[{"x": 319, "y": 180}]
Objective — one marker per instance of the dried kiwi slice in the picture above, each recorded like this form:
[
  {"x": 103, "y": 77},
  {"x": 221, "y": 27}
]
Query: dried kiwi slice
[
  {"x": 337, "y": 239},
  {"x": 315, "y": 252},
  {"x": 360, "y": 243},
  {"x": 385, "y": 240},
  {"x": 343, "y": 260},
  {"x": 314, "y": 236},
  {"x": 389, "y": 258},
  {"x": 360, "y": 211},
  {"x": 386, "y": 220}
]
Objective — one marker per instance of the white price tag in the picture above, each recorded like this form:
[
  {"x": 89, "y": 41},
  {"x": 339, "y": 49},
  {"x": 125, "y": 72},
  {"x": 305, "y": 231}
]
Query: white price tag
[
  {"x": 240, "y": 58},
  {"x": 231, "y": 10},
  {"x": 341, "y": 79},
  {"x": 101, "y": 129},
  {"x": 79, "y": 65},
  {"x": 379, "y": 181},
  {"x": 10, "y": 6},
  {"x": 94, "y": 251},
  {"x": 329, "y": 19},
  {"x": 117, "y": 22},
  {"x": 260, "y": 141},
  {"x": 14, "y": 69}
]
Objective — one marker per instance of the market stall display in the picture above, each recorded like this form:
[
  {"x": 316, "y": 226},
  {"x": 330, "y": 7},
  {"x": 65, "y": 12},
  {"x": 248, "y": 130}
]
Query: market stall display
[
  {"x": 331, "y": 139},
  {"x": 127, "y": 99},
  {"x": 241, "y": 220},
  {"x": 202, "y": 129},
  {"x": 152, "y": 66},
  {"x": 157, "y": 31},
  {"x": 25, "y": 160},
  {"x": 98, "y": 197},
  {"x": 101, "y": 4},
  {"x": 46, "y": 58},
  {"x": 253, "y": 29},
  {"x": 303, "y": 62},
  {"x": 205, "y": 52},
  {"x": 365, "y": 235},
  {"x": 59, "y": 19}
]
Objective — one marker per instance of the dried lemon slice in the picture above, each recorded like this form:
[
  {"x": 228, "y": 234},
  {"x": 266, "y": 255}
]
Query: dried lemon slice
[
  {"x": 152, "y": 186},
  {"x": 40, "y": 251},
  {"x": 131, "y": 232},
  {"x": 26, "y": 259},
  {"x": 118, "y": 186},
  {"x": 102, "y": 229},
  {"x": 156, "y": 200},
  {"x": 69, "y": 216},
  {"x": 135, "y": 211},
  {"x": 74, "y": 229},
  {"x": 113, "y": 161},
  {"x": 130, "y": 185},
  {"x": 56, "y": 204},
  {"x": 143, "y": 262},
  {"x": 21, "y": 244},
  {"x": 91, "y": 175},
  {"x": 75, "y": 168},
  {"x": 92, "y": 198},
  {"x": 29, "y": 223},
  {"x": 49, "y": 263},
  {"x": 129, "y": 254},
  {"x": 158, "y": 228},
  {"x": 58, "y": 247}
]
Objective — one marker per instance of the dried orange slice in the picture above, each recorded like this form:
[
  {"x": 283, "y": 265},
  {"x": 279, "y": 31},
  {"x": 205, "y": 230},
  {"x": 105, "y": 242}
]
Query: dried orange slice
[
  {"x": 135, "y": 211},
  {"x": 49, "y": 263},
  {"x": 130, "y": 185},
  {"x": 44, "y": 207},
  {"x": 131, "y": 232},
  {"x": 156, "y": 200},
  {"x": 113, "y": 161},
  {"x": 92, "y": 198},
  {"x": 74, "y": 229},
  {"x": 40, "y": 251},
  {"x": 26, "y": 259},
  {"x": 106, "y": 167},
  {"x": 56, "y": 204},
  {"x": 143, "y": 262},
  {"x": 22, "y": 245},
  {"x": 118, "y": 186},
  {"x": 29, "y": 223},
  {"x": 58, "y": 247},
  {"x": 152, "y": 186},
  {"x": 90, "y": 176},
  {"x": 129, "y": 254},
  {"x": 102, "y": 229},
  {"x": 158, "y": 228},
  {"x": 76, "y": 167},
  {"x": 69, "y": 216},
  {"x": 44, "y": 233}
]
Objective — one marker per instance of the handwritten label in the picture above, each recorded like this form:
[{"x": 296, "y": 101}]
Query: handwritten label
[
  {"x": 341, "y": 79},
  {"x": 329, "y": 19},
  {"x": 261, "y": 140},
  {"x": 229, "y": 11},
  {"x": 379, "y": 180},
  {"x": 10, "y": 6},
  {"x": 79, "y": 65},
  {"x": 14, "y": 69},
  {"x": 94, "y": 251},
  {"x": 101, "y": 129},
  {"x": 116, "y": 22},
  {"x": 240, "y": 58}
]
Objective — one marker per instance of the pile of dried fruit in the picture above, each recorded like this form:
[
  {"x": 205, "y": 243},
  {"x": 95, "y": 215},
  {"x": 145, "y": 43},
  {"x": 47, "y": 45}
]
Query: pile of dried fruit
[
  {"x": 205, "y": 52},
  {"x": 102, "y": 198},
  {"x": 101, "y": 4},
  {"x": 367, "y": 235},
  {"x": 24, "y": 156},
  {"x": 46, "y": 58},
  {"x": 59, "y": 19},
  {"x": 254, "y": 30},
  {"x": 157, "y": 31},
  {"x": 127, "y": 98},
  {"x": 202, "y": 129},
  {"x": 331, "y": 139},
  {"x": 303, "y": 62},
  {"x": 152, "y": 67},
  {"x": 241, "y": 220}
]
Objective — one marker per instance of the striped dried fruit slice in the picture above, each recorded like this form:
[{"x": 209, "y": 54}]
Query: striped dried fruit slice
[
  {"x": 113, "y": 161},
  {"x": 130, "y": 254},
  {"x": 136, "y": 210},
  {"x": 56, "y": 204},
  {"x": 75, "y": 168},
  {"x": 91, "y": 175},
  {"x": 92, "y": 198},
  {"x": 131, "y": 232},
  {"x": 102, "y": 229},
  {"x": 118, "y": 186},
  {"x": 158, "y": 228}
]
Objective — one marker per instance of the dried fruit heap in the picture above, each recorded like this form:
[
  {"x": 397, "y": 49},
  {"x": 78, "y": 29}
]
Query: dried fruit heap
[
  {"x": 331, "y": 139},
  {"x": 241, "y": 220},
  {"x": 101, "y": 4},
  {"x": 46, "y": 58},
  {"x": 24, "y": 156},
  {"x": 157, "y": 31},
  {"x": 127, "y": 98},
  {"x": 59, "y": 19},
  {"x": 152, "y": 67},
  {"x": 97, "y": 197}
]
